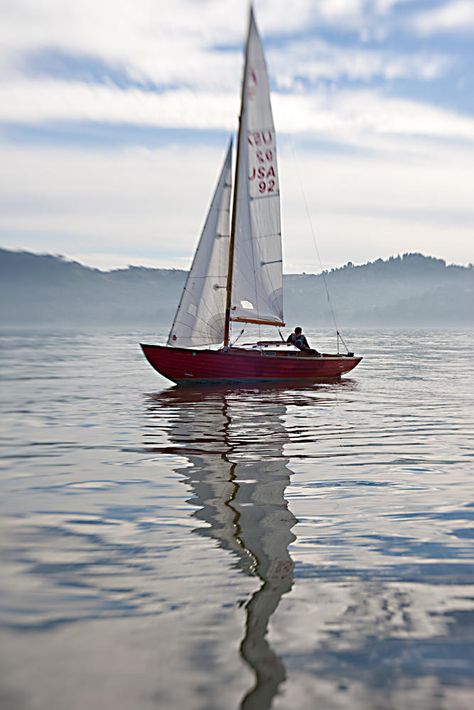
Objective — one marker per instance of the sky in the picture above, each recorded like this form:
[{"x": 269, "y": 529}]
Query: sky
[{"x": 115, "y": 116}]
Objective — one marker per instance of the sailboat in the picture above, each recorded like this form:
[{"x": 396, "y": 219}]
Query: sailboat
[{"x": 236, "y": 276}]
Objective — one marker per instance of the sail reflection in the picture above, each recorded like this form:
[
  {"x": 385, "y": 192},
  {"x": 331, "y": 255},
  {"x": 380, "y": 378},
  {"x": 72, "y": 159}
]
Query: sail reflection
[{"x": 238, "y": 475}]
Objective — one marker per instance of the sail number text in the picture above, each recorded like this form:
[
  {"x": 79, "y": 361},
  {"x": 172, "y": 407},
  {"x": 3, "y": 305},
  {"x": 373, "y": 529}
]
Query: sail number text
[{"x": 262, "y": 171}]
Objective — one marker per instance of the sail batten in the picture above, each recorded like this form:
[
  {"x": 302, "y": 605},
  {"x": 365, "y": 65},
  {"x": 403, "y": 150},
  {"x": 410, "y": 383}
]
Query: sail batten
[{"x": 199, "y": 319}]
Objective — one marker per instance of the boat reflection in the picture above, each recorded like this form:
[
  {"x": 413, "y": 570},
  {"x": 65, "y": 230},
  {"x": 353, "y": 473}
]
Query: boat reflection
[{"x": 234, "y": 441}]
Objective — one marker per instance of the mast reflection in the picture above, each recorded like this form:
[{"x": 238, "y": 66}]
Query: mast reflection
[{"x": 238, "y": 475}]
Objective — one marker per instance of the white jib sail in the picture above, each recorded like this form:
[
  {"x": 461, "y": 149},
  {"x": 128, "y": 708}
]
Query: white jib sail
[
  {"x": 257, "y": 293},
  {"x": 200, "y": 317}
]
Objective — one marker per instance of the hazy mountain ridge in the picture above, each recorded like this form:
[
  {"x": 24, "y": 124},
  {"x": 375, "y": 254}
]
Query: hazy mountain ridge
[
  {"x": 412, "y": 288},
  {"x": 39, "y": 289}
]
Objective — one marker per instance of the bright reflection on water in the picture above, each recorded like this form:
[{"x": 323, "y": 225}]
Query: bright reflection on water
[{"x": 247, "y": 548}]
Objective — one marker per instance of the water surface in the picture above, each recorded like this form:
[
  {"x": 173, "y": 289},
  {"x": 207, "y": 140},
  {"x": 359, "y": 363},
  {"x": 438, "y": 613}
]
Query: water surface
[{"x": 253, "y": 547}]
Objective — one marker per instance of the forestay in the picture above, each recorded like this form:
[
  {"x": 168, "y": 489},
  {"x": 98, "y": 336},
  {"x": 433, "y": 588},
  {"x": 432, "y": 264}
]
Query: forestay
[
  {"x": 200, "y": 317},
  {"x": 257, "y": 294}
]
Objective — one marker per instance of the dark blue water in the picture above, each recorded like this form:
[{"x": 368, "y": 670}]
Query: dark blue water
[{"x": 245, "y": 548}]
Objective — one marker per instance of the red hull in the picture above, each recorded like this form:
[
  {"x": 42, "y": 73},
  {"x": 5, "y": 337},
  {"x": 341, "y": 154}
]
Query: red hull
[{"x": 183, "y": 365}]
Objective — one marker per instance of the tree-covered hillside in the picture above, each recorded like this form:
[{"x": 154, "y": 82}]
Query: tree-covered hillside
[{"x": 412, "y": 289}]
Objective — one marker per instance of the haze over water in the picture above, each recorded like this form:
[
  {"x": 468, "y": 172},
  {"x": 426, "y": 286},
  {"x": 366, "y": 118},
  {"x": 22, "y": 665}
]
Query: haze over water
[{"x": 250, "y": 548}]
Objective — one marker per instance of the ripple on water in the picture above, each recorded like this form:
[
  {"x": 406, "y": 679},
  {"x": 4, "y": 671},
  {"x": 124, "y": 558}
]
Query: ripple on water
[{"x": 235, "y": 538}]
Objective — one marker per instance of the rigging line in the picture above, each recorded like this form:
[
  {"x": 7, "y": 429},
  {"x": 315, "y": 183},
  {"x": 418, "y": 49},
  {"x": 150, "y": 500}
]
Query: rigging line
[
  {"x": 252, "y": 241},
  {"x": 267, "y": 274},
  {"x": 314, "y": 239},
  {"x": 265, "y": 196},
  {"x": 215, "y": 303},
  {"x": 259, "y": 221},
  {"x": 239, "y": 336},
  {"x": 249, "y": 259},
  {"x": 250, "y": 256},
  {"x": 203, "y": 302},
  {"x": 189, "y": 274},
  {"x": 198, "y": 318},
  {"x": 193, "y": 330},
  {"x": 202, "y": 320}
]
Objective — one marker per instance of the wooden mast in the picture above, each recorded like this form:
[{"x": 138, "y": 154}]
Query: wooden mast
[{"x": 230, "y": 269}]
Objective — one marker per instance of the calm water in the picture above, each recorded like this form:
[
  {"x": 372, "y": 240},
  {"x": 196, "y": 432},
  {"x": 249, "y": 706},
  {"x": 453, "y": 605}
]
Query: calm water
[{"x": 248, "y": 548}]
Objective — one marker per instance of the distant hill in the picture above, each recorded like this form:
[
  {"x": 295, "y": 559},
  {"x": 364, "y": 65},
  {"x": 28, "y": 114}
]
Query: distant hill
[
  {"x": 410, "y": 289},
  {"x": 39, "y": 289}
]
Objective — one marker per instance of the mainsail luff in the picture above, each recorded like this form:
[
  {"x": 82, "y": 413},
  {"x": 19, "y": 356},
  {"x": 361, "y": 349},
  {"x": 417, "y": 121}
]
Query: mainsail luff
[
  {"x": 257, "y": 294},
  {"x": 199, "y": 318},
  {"x": 230, "y": 270}
]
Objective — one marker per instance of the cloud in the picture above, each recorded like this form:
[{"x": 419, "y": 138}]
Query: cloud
[
  {"x": 147, "y": 206},
  {"x": 309, "y": 60},
  {"x": 383, "y": 174},
  {"x": 151, "y": 38},
  {"x": 346, "y": 116},
  {"x": 366, "y": 206},
  {"x": 146, "y": 64},
  {"x": 178, "y": 65},
  {"x": 179, "y": 42},
  {"x": 41, "y": 101},
  {"x": 454, "y": 16},
  {"x": 135, "y": 202}
]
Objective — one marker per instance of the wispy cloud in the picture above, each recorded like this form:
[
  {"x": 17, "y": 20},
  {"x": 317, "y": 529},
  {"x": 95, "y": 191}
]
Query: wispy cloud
[
  {"x": 304, "y": 62},
  {"x": 174, "y": 42},
  {"x": 454, "y": 16},
  {"x": 383, "y": 127},
  {"x": 347, "y": 116},
  {"x": 138, "y": 204}
]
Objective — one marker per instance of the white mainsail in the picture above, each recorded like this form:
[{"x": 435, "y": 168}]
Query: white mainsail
[
  {"x": 257, "y": 293},
  {"x": 200, "y": 316}
]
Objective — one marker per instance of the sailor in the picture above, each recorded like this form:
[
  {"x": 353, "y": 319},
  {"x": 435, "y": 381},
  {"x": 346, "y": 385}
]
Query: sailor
[{"x": 297, "y": 339}]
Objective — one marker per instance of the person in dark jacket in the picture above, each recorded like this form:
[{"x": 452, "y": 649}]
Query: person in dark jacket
[{"x": 297, "y": 339}]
